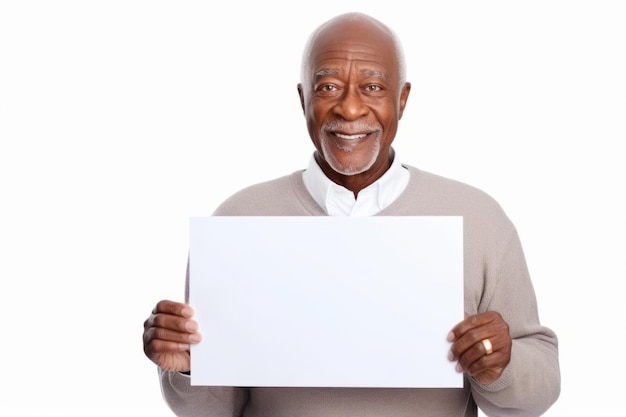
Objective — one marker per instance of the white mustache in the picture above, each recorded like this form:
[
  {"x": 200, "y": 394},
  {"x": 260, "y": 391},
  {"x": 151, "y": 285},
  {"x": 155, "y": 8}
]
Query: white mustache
[{"x": 350, "y": 127}]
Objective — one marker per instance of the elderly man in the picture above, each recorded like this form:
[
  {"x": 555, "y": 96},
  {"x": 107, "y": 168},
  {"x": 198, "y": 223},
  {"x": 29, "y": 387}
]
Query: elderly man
[{"x": 353, "y": 92}]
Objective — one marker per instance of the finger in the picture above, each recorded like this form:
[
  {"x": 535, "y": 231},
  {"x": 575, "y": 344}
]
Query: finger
[
  {"x": 158, "y": 347},
  {"x": 168, "y": 321},
  {"x": 471, "y": 322},
  {"x": 477, "y": 328},
  {"x": 486, "y": 363},
  {"x": 472, "y": 343},
  {"x": 174, "y": 308},
  {"x": 469, "y": 341},
  {"x": 452, "y": 335},
  {"x": 475, "y": 353},
  {"x": 171, "y": 336}
]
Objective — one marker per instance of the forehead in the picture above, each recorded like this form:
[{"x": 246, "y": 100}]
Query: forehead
[{"x": 356, "y": 45}]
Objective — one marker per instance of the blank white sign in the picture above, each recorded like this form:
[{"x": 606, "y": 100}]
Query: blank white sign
[{"x": 326, "y": 301}]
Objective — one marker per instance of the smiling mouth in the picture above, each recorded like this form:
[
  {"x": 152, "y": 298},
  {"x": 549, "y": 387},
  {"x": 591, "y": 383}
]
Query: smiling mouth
[{"x": 350, "y": 137}]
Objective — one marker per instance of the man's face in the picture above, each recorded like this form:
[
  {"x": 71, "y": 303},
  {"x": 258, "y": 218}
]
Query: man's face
[{"x": 352, "y": 99}]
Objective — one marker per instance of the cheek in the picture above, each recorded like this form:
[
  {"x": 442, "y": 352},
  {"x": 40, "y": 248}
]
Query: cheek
[
  {"x": 387, "y": 113},
  {"x": 311, "y": 124},
  {"x": 388, "y": 117},
  {"x": 314, "y": 119}
]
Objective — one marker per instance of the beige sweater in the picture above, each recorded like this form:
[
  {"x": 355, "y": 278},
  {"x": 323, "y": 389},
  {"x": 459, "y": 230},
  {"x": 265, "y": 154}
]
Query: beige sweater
[{"x": 496, "y": 278}]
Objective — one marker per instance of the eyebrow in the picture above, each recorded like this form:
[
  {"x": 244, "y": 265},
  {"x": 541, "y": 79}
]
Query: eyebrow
[
  {"x": 377, "y": 74},
  {"x": 370, "y": 73},
  {"x": 323, "y": 72}
]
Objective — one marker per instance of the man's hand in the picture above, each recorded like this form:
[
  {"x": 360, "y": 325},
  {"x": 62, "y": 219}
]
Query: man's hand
[
  {"x": 482, "y": 346},
  {"x": 167, "y": 335}
]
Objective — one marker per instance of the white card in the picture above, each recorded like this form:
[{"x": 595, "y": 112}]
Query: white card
[{"x": 326, "y": 301}]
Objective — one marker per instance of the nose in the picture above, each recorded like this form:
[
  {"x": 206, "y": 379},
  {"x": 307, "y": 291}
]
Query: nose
[{"x": 350, "y": 105}]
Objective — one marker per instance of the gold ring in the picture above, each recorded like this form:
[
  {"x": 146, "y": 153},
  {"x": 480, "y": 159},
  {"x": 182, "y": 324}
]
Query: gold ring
[{"x": 488, "y": 346}]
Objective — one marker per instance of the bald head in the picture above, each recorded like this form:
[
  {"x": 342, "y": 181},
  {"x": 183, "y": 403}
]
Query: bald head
[{"x": 353, "y": 26}]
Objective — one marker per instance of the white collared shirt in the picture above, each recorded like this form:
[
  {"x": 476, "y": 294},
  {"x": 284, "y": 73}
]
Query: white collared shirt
[{"x": 339, "y": 201}]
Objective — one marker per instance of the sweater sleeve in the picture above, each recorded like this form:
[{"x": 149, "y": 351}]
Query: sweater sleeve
[
  {"x": 199, "y": 401},
  {"x": 530, "y": 383}
]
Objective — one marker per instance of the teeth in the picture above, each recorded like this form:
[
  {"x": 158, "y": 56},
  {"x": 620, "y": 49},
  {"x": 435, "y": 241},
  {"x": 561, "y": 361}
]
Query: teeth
[{"x": 350, "y": 137}]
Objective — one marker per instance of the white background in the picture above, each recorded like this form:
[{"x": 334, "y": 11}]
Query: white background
[{"x": 121, "y": 119}]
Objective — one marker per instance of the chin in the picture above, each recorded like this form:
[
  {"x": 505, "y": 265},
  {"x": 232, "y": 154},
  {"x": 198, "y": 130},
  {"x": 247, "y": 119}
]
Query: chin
[
  {"x": 348, "y": 171},
  {"x": 345, "y": 163},
  {"x": 350, "y": 157}
]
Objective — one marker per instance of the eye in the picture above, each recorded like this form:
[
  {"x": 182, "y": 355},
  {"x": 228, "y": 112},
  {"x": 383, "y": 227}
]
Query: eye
[
  {"x": 327, "y": 87},
  {"x": 371, "y": 88}
]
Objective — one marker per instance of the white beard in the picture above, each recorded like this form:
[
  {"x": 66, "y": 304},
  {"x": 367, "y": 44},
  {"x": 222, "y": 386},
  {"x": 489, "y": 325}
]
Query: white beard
[{"x": 352, "y": 166}]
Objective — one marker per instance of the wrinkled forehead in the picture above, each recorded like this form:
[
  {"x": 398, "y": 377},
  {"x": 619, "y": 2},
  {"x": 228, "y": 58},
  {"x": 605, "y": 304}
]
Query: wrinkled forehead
[{"x": 365, "y": 44}]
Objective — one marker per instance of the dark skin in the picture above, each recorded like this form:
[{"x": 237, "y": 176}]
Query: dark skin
[
  {"x": 353, "y": 89},
  {"x": 353, "y": 97},
  {"x": 469, "y": 352},
  {"x": 168, "y": 334}
]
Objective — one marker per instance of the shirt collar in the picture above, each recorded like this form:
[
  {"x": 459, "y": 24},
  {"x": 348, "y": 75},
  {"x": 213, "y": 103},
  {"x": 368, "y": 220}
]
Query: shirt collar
[{"x": 339, "y": 201}]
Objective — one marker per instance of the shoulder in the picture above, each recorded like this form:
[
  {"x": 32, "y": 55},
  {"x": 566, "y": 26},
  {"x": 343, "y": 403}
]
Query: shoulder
[
  {"x": 443, "y": 194},
  {"x": 429, "y": 194},
  {"x": 285, "y": 195}
]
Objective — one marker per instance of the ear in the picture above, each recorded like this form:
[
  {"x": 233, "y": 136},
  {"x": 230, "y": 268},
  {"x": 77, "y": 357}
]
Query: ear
[
  {"x": 301, "y": 94},
  {"x": 404, "y": 96}
]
